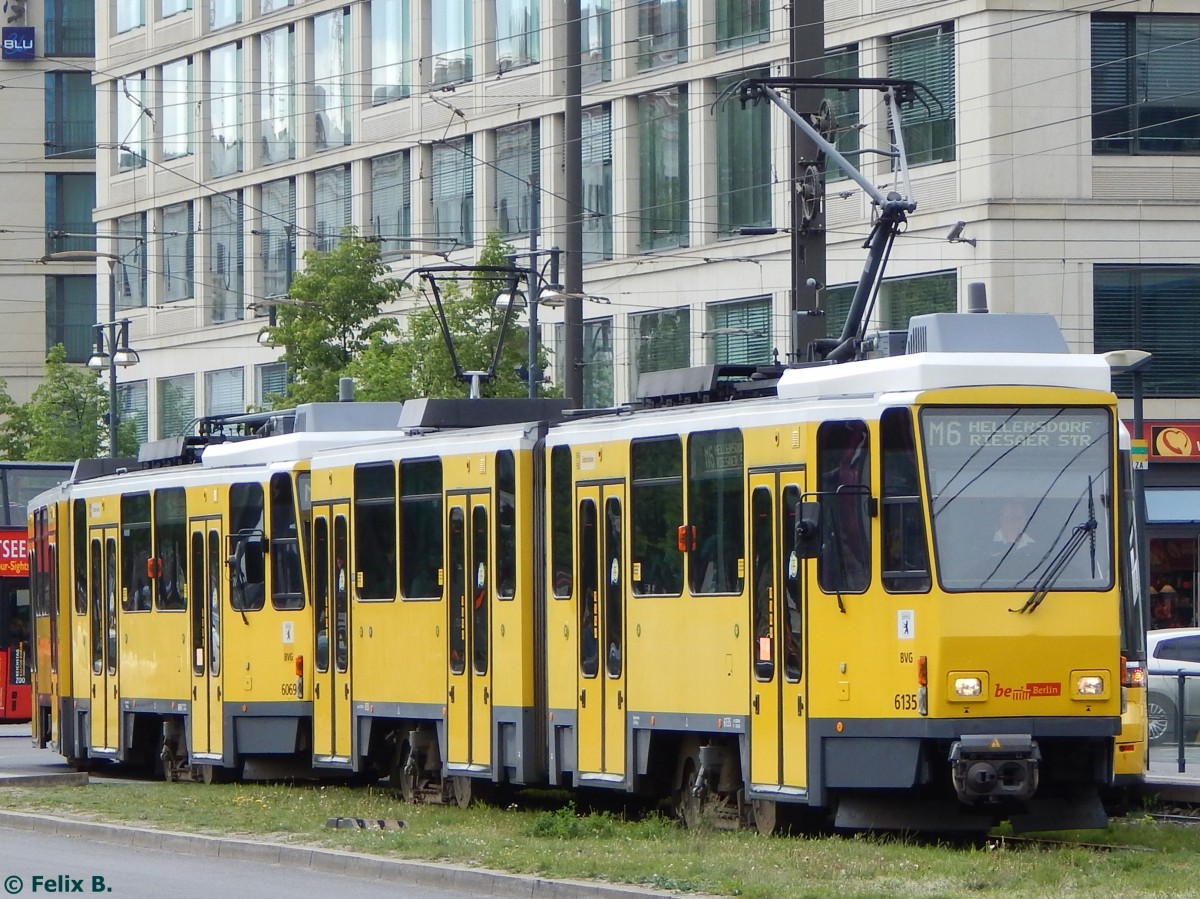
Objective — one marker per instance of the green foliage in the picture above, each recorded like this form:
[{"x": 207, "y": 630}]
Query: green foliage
[
  {"x": 416, "y": 362},
  {"x": 63, "y": 420},
  {"x": 566, "y": 824},
  {"x": 335, "y": 316}
]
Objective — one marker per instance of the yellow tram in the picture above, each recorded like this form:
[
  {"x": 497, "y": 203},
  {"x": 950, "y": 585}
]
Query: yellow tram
[{"x": 804, "y": 600}]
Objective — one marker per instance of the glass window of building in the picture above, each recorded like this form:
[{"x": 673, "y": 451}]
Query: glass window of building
[
  {"x": 661, "y": 33},
  {"x": 331, "y": 68},
  {"x": 899, "y": 300},
  {"x": 224, "y": 392},
  {"x": 453, "y": 191},
  {"x": 595, "y": 41},
  {"x": 743, "y": 160},
  {"x": 662, "y": 340},
  {"x": 277, "y": 59},
  {"x": 277, "y": 235},
  {"x": 177, "y": 115},
  {"x": 130, "y": 269},
  {"x": 927, "y": 56},
  {"x": 1145, "y": 84},
  {"x": 70, "y": 28},
  {"x": 598, "y": 392},
  {"x": 225, "y": 110},
  {"x": 1151, "y": 307},
  {"x": 842, "y": 62},
  {"x": 391, "y": 56},
  {"x": 176, "y": 405},
  {"x": 70, "y": 115},
  {"x": 597, "y": 183},
  {"x": 391, "y": 201},
  {"x": 178, "y": 267},
  {"x": 517, "y": 167},
  {"x": 131, "y": 14},
  {"x": 131, "y": 121},
  {"x": 132, "y": 406},
  {"x": 663, "y": 169},
  {"x": 740, "y": 331},
  {"x": 272, "y": 5},
  {"x": 225, "y": 265},
  {"x": 70, "y": 198},
  {"x": 70, "y": 314},
  {"x": 333, "y": 206},
  {"x": 270, "y": 383},
  {"x": 517, "y": 34},
  {"x": 452, "y": 40},
  {"x": 742, "y": 22},
  {"x": 174, "y": 7},
  {"x": 223, "y": 13}
]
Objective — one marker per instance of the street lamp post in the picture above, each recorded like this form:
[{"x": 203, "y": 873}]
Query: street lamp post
[
  {"x": 535, "y": 299},
  {"x": 111, "y": 345}
]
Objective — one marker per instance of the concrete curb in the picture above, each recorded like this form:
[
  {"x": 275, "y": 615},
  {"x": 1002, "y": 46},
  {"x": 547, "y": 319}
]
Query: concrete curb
[{"x": 478, "y": 881}]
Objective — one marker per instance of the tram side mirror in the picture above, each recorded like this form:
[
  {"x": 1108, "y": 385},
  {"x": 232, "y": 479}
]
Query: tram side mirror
[{"x": 808, "y": 530}]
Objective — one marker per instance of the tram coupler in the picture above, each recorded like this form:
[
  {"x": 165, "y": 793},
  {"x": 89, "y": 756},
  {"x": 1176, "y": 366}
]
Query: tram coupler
[{"x": 995, "y": 766}]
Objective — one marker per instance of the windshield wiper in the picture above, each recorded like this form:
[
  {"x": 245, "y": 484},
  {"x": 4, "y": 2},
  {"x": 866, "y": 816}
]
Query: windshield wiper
[{"x": 1080, "y": 533}]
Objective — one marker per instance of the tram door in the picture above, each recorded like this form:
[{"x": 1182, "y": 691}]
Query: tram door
[
  {"x": 105, "y": 714},
  {"x": 601, "y": 712},
  {"x": 206, "y": 575},
  {"x": 331, "y": 606},
  {"x": 778, "y": 742},
  {"x": 469, "y": 684}
]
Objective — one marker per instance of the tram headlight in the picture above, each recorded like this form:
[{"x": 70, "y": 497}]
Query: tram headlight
[
  {"x": 1089, "y": 685},
  {"x": 967, "y": 687}
]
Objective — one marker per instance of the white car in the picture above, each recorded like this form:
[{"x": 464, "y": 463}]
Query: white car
[{"x": 1170, "y": 652}]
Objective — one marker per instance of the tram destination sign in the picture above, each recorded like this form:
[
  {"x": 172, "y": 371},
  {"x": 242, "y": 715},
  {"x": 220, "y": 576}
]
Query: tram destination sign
[{"x": 1015, "y": 428}]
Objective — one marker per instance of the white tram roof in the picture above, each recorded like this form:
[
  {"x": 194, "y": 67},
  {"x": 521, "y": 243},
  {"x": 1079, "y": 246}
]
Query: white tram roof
[
  {"x": 285, "y": 447},
  {"x": 931, "y": 371}
]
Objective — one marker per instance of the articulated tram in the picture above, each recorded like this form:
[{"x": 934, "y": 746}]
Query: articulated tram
[{"x": 886, "y": 593}]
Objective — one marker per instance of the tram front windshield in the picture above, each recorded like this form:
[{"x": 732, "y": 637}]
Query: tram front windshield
[{"x": 1021, "y": 498}]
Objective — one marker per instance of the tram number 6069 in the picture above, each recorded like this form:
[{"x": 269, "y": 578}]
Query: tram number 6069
[
  {"x": 289, "y": 689},
  {"x": 905, "y": 702}
]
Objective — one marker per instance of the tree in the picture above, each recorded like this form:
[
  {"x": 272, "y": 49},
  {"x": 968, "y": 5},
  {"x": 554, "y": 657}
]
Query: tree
[
  {"x": 63, "y": 420},
  {"x": 333, "y": 316},
  {"x": 416, "y": 362}
]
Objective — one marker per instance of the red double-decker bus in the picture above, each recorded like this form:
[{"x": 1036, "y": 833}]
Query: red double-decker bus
[{"x": 19, "y": 483}]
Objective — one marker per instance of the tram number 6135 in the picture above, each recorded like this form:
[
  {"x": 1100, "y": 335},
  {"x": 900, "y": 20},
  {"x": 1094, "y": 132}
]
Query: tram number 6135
[{"x": 905, "y": 702}]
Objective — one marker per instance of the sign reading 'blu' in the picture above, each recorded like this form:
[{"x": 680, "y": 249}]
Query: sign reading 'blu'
[{"x": 17, "y": 43}]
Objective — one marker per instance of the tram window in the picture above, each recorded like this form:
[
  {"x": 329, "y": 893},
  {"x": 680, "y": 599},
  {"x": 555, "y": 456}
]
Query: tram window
[
  {"x": 375, "y": 530},
  {"x": 589, "y": 587},
  {"x": 341, "y": 596},
  {"x": 716, "y": 512},
  {"x": 96, "y": 599},
  {"x": 612, "y": 587},
  {"x": 79, "y": 525},
  {"x": 905, "y": 549},
  {"x": 421, "y": 551},
  {"x": 506, "y": 525},
  {"x": 199, "y": 596},
  {"x": 170, "y": 548},
  {"x": 763, "y": 584},
  {"x": 844, "y": 470},
  {"x": 246, "y": 525},
  {"x": 458, "y": 591},
  {"x": 110, "y": 604},
  {"x": 135, "y": 552},
  {"x": 321, "y": 591},
  {"x": 792, "y": 622},
  {"x": 214, "y": 602},
  {"x": 480, "y": 594},
  {"x": 656, "y": 515},
  {"x": 287, "y": 588},
  {"x": 560, "y": 521}
]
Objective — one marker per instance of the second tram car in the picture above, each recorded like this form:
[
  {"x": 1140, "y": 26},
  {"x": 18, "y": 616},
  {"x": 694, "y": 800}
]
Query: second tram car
[{"x": 886, "y": 592}]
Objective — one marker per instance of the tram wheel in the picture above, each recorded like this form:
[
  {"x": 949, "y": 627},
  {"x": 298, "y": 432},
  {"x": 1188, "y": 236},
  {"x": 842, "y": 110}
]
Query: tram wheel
[
  {"x": 766, "y": 815},
  {"x": 463, "y": 790},
  {"x": 216, "y": 774},
  {"x": 687, "y": 803},
  {"x": 401, "y": 778}
]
